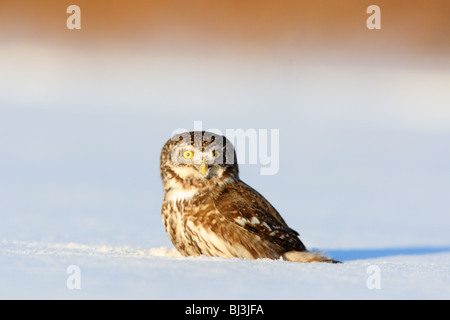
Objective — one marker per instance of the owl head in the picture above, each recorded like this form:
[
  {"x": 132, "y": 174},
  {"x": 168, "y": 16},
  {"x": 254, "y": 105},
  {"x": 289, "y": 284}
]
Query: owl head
[{"x": 198, "y": 155}]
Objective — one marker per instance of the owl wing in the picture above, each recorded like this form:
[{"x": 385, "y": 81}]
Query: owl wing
[{"x": 244, "y": 206}]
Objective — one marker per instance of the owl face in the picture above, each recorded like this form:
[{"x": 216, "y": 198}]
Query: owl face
[{"x": 199, "y": 155}]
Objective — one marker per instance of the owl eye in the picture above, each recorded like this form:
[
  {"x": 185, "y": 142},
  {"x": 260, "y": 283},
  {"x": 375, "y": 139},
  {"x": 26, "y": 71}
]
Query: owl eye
[
  {"x": 216, "y": 154},
  {"x": 188, "y": 154}
]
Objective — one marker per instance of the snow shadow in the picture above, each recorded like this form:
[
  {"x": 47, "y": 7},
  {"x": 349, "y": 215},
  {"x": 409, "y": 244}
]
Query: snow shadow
[{"x": 357, "y": 254}]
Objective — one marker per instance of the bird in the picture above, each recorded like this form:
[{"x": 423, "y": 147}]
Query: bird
[{"x": 208, "y": 210}]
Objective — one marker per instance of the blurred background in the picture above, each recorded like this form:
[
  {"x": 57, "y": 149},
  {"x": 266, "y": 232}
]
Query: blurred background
[{"x": 363, "y": 115}]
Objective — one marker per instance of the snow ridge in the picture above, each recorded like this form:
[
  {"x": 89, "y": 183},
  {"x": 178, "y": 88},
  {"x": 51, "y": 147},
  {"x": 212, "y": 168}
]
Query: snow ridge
[{"x": 71, "y": 248}]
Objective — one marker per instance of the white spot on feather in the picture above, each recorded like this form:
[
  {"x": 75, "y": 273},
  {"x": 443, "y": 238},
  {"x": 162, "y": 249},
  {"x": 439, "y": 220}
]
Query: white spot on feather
[
  {"x": 241, "y": 221},
  {"x": 267, "y": 226},
  {"x": 254, "y": 220}
]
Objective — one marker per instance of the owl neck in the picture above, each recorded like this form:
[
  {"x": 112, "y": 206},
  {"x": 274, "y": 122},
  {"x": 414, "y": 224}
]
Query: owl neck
[{"x": 179, "y": 189}]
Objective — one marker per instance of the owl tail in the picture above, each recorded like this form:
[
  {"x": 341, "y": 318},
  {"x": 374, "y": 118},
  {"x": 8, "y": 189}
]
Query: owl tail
[{"x": 306, "y": 257}]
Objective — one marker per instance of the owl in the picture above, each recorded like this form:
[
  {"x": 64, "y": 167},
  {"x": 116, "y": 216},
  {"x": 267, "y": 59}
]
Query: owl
[{"x": 208, "y": 210}]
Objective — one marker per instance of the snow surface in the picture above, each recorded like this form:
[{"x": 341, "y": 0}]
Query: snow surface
[
  {"x": 364, "y": 169},
  {"x": 39, "y": 271}
]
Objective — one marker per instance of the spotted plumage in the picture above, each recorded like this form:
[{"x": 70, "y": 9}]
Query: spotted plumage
[{"x": 208, "y": 210}]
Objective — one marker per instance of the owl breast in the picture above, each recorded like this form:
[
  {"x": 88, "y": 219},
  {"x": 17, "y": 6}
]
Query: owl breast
[{"x": 196, "y": 228}]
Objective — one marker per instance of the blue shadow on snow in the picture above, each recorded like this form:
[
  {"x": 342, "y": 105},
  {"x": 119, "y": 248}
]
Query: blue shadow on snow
[{"x": 356, "y": 254}]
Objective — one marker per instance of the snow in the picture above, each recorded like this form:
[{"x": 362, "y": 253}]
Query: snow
[
  {"x": 31, "y": 270},
  {"x": 364, "y": 171}
]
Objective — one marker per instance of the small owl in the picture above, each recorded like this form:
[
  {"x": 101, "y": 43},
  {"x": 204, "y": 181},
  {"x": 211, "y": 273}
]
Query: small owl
[{"x": 208, "y": 210}]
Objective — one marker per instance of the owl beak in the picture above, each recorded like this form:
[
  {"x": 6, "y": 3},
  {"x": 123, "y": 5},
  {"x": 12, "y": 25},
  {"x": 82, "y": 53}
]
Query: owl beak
[{"x": 203, "y": 168}]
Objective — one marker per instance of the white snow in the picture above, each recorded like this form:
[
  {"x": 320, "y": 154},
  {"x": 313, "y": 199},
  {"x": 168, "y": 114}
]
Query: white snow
[
  {"x": 30, "y": 270},
  {"x": 364, "y": 170}
]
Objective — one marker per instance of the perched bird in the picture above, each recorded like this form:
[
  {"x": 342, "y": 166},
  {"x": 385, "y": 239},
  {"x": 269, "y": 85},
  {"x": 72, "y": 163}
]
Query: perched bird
[{"x": 208, "y": 210}]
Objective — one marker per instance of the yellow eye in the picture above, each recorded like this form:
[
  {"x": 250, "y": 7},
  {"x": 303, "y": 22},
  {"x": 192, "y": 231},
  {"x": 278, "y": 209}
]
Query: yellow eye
[
  {"x": 216, "y": 154},
  {"x": 188, "y": 154}
]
